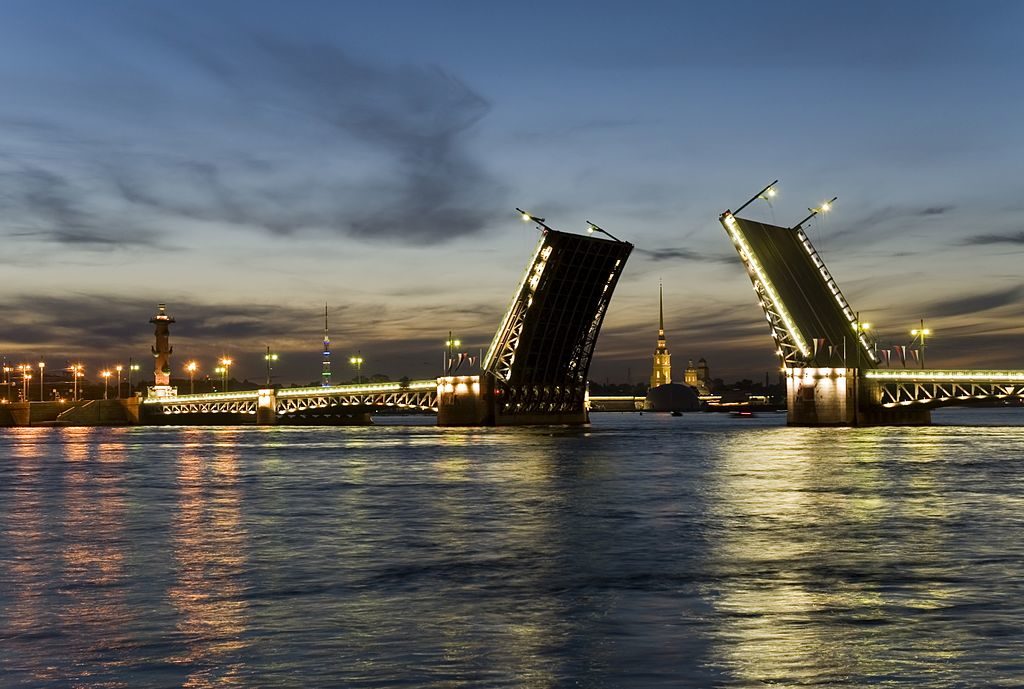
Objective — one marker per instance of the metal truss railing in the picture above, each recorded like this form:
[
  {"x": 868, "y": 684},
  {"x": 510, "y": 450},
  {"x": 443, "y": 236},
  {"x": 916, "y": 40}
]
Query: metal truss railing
[
  {"x": 830, "y": 283},
  {"x": 420, "y": 395},
  {"x": 501, "y": 355},
  {"x": 790, "y": 345},
  {"x": 937, "y": 388},
  {"x": 420, "y": 400}
]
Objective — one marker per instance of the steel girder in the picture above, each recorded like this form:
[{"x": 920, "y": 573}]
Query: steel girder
[
  {"x": 420, "y": 400},
  {"x": 936, "y": 394},
  {"x": 418, "y": 395}
]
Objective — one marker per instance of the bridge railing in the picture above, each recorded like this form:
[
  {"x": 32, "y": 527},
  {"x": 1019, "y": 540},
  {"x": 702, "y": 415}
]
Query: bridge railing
[
  {"x": 945, "y": 375},
  {"x": 285, "y": 393}
]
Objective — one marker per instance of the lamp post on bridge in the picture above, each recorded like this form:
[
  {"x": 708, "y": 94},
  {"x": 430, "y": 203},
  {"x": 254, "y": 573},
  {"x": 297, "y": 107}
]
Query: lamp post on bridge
[
  {"x": 923, "y": 334},
  {"x": 118, "y": 369},
  {"x": 77, "y": 371},
  {"x": 7, "y": 380},
  {"x": 357, "y": 361},
  {"x": 270, "y": 358},
  {"x": 191, "y": 367},
  {"x": 106, "y": 382},
  {"x": 592, "y": 228},
  {"x": 451, "y": 344},
  {"x": 131, "y": 368},
  {"x": 223, "y": 369},
  {"x": 26, "y": 376},
  {"x": 42, "y": 369}
]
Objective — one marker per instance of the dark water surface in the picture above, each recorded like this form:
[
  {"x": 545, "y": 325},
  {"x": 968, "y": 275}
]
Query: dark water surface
[{"x": 646, "y": 551}]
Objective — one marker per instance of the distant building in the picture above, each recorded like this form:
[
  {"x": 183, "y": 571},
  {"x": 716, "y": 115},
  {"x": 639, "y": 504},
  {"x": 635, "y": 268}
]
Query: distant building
[
  {"x": 665, "y": 395},
  {"x": 662, "y": 373},
  {"x": 698, "y": 376}
]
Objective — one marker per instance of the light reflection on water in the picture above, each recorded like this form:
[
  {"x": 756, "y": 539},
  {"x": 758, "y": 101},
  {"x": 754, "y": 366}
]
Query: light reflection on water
[{"x": 646, "y": 551}]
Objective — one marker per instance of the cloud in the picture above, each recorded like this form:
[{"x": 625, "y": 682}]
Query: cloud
[
  {"x": 881, "y": 221},
  {"x": 681, "y": 254},
  {"x": 268, "y": 135},
  {"x": 976, "y": 303},
  {"x": 986, "y": 239},
  {"x": 421, "y": 181},
  {"x": 45, "y": 205}
]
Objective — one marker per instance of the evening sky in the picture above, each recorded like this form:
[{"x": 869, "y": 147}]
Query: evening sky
[{"x": 246, "y": 162}]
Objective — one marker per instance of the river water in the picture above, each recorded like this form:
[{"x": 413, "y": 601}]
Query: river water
[{"x": 644, "y": 551}]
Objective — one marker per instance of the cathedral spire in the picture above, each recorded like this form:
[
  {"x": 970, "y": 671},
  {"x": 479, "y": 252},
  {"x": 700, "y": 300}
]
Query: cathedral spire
[
  {"x": 662, "y": 373},
  {"x": 661, "y": 310}
]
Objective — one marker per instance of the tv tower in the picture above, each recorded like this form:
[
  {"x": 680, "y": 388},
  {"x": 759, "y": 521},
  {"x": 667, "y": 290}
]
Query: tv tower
[{"x": 325, "y": 373}]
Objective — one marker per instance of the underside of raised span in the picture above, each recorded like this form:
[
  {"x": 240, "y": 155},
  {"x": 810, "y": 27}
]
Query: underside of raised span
[{"x": 535, "y": 370}]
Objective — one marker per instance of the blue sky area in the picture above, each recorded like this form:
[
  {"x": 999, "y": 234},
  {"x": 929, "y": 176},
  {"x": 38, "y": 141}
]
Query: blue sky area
[{"x": 245, "y": 162}]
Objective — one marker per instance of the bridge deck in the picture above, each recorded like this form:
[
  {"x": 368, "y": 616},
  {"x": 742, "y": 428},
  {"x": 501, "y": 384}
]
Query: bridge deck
[
  {"x": 930, "y": 388},
  {"x": 806, "y": 289},
  {"x": 368, "y": 389}
]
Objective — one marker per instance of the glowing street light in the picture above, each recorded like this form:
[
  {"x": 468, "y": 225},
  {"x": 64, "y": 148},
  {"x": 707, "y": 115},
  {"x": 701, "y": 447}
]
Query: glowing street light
[
  {"x": 357, "y": 361},
  {"x": 592, "y": 228},
  {"x": 825, "y": 207},
  {"x": 77, "y": 371},
  {"x": 26, "y": 376},
  {"x": 106, "y": 381},
  {"x": 270, "y": 358},
  {"x": 119, "y": 368},
  {"x": 7, "y": 380},
  {"x": 528, "y": 217},
  {"x": 191, "y": 367},
  {"x": 225, "y": 366},
  {"x": 42, "y": 392},
  {"x": 449, "y": 353},
  {"x": 132, "y": 367},
  {"x": 921, "y": 333}
]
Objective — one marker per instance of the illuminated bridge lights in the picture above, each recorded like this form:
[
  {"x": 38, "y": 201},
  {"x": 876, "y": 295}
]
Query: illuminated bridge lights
[
  {"x": 938, "y": 387},
  {"x": 942, "y": 375},
  {"x": 420, "y": 394},
  {"x": 747, "y": 256}
]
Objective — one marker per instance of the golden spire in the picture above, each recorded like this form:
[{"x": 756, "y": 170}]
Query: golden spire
[{"x": 662, "y": 372}]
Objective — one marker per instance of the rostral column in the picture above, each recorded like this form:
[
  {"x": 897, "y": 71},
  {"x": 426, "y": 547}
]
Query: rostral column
[{"x": 162, "y": 352}]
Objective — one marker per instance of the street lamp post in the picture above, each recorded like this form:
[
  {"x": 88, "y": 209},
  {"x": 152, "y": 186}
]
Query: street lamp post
[
  {"x": 225, "y": 366},
  {"x": 42, "y": 392},
  {"x": 357, "y": 361},
  {"x": 191, "y": 368},
  {"x": 106, "y": 383},
  {"x": 76, "y": 373},
  {"x": 923, "y": 334},
  {"x": 132, "y": 367},
  {"x": 7, "y": 380},
  {"x": 26, "y": 376},
  {"x": 592, "y": 228},
  {"x": 270, "y": 358},
  {"x": 119, "y": 368},
  {"x": 450, "y": 345}
]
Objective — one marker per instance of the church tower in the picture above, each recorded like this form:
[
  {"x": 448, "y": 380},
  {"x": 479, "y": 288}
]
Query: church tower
[{"x": 662, "y": 373}]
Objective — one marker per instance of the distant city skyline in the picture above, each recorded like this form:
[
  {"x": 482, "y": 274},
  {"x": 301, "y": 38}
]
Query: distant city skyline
[{"x": 247, "y": 164}]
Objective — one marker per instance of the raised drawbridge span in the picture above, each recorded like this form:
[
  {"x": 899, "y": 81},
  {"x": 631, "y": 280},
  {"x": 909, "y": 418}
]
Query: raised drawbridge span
[
  {"x": 834, "y": 374},
  {"x": 535, "y": 371}
]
